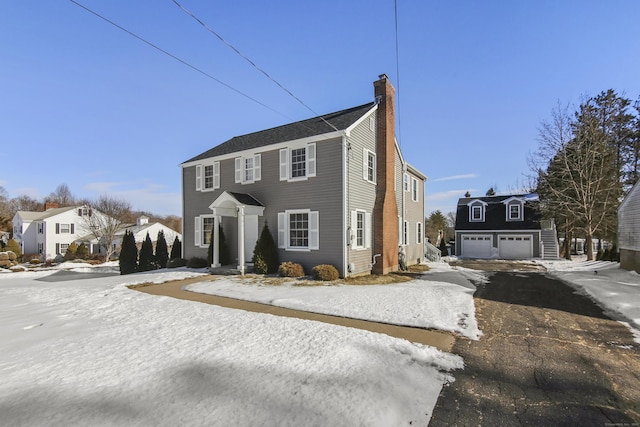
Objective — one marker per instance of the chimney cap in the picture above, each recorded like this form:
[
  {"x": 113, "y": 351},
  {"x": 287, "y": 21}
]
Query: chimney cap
[{"x": 383, "y": 76}]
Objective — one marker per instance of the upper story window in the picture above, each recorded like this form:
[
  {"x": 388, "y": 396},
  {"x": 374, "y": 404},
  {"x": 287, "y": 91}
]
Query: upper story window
[
  {"x": 64, "y": 228},
  {"x": 515, "y": 209},
  {"x": 477, "y": 210},
  {"x": 369, "y": 166},
  {"x": 414, "y": 189},
  {"x": 208, "y": 177},
  {"x": 248, "y": 169},
  {"x": 298, "y": 163},
  {"x": 514, "y": 212},
  {"x": 84, "y": 211},
  {"x": 40, "y": 228},
  {"x": 405, "y": 182}
]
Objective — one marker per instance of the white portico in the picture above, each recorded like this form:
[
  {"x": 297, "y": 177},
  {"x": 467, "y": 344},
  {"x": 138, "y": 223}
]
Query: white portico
[{"x": 246, "y": 209}]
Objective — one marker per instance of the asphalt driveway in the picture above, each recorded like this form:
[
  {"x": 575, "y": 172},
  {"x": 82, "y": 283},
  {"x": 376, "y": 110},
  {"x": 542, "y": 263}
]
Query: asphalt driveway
[{"x": 548, "y": 357}]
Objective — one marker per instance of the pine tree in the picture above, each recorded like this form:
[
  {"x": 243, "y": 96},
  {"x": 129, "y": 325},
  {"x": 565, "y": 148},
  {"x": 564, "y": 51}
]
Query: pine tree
[
  {"x": 128, "y": 254},
  {"x": 443, "y": 248},
  {"x": 146, "y": 260},
  {"x": 162, "y": 252},
  {"x": 176, "y": 249},
  {"x": 265, "y": 254},
  {"x": 71, "y": 251},
  {"x": 82, "y": 252}
]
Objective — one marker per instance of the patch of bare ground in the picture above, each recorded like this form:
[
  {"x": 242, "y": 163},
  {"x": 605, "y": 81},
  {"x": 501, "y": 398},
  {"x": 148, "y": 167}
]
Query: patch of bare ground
[{"x": 497, "y": 265}]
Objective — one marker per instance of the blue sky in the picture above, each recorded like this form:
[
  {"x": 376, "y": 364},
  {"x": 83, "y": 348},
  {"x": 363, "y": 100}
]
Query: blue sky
[{"x": 86, "y": 104}]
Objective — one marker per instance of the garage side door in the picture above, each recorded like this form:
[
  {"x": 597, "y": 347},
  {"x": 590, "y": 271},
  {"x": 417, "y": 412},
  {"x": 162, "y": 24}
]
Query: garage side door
[
  {"x": 515, "y": 247},
  {"x": 476, "y": 246}
]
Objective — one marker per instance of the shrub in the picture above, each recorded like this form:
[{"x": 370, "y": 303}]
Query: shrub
[
  {"x": 128, "y": 254},
  {"x": 14, "y": 247},
  {"x": 176, "y": 262},
  {"x": 325, "y": 272},
  {"x": 71, "y": 252},
  {"x": 265, "y": 254},
  {"x": 197, "y": 262},
  {"x": 290, "y": 269},
  {"x": 146, "y": 260},
  {"x": 82, "y": 252},
  {"x": 176, "y": 249},
  {"x": 162, "y": 251}
]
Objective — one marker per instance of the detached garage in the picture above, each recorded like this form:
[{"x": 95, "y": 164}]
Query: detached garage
[{"x": 476, "y": 246}]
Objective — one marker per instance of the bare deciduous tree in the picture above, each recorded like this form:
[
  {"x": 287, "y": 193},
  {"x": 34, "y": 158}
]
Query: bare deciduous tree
[
  {"x": 62, "y": 195},
  {"x": 104, "y": 220}
]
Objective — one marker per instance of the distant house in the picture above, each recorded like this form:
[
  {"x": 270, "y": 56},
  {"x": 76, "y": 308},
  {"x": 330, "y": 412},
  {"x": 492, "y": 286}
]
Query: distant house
[
  {"x": 333, "y": 189},
  {"x": 140, "y": 230},
  {"x": 504, "y": 227},
  {"x": 629, "y": 230},
  {"x": 49, "y": 233}
]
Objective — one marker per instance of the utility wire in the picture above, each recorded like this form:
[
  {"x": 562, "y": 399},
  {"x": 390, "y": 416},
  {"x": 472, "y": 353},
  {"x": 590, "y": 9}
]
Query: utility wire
[
  {"x": 395, "y": 7},
  {"x": 176, "y": 58},
  {"x": 253, "y": 64}
]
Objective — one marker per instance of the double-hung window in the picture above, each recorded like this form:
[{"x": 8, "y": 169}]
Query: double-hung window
[
  {"x": 40, "y": 228},
  {"x": 203, "y": 226},
  {"x": 361, "y": 229},
  {"x": 514, "y": 212},
  {"x": 369, "y": 166},
  {"x": 418, "y": 232},
  {"x": 414, "y": 189},
  {"x": 405, "y": 182},
  {"x": 298, "y": 162},
  {"x": 298, "y": 230},
  {"x": 64, "y": 228},
  {"x": 208, "y": 177},
  {"x": 248, "y": 169}
]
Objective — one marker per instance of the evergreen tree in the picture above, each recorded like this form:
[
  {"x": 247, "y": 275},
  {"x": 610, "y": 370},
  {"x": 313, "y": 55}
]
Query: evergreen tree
[
  {"x": 443, "y": 248},
  {"x": 128, "y": 254},
  {"x": 162, "y": 252},
  {"x": 146, "y": 260},
  {"x": 82, "y": 252},
  {"x": 71, "y": 251},
  {"x": 225, "y": 257},
  {"x": 14, "y": 247},
  {"x": 176, "y": 249},
  {"x": 265, "y": 254}
]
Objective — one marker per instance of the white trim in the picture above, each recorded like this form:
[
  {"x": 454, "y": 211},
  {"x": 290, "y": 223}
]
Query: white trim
[
  {"x": 354, "y": 228},
  {"x": 313, "y": 224},
  {"x": 415, "y": 195},
  {"x": 365, "y": 165},
  {"x": 199, "y": 177},
  {"x": 419, "y": 227}
]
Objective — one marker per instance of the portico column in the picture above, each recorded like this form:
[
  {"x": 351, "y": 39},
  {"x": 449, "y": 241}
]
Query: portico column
[
  {"x": 216, "y": 241},
  {"x": 241, "y": 266}
]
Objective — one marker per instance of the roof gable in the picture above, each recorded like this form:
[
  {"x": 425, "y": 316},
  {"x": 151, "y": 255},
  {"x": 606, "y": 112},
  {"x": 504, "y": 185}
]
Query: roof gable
[
  {"x": 495, "y": 214},
  {"x": 315, "y": 126}
]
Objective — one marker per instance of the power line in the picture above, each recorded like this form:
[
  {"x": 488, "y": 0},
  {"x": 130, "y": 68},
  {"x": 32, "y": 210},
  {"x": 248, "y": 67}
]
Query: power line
[
  {"x": 176, "y": 58},
  {"x": 253, "y": 64}
]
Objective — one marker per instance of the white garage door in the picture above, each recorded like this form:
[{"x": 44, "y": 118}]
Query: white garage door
[
  {"x": 515, "y": 247},
  {"x": 476, "y": 246}
]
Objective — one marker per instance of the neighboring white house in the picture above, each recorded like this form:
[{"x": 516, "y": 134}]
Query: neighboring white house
[
  {"x": 140, "y": 230},
  {"x": 49, "y": 233},
  {"x": 629, "y": 230}
]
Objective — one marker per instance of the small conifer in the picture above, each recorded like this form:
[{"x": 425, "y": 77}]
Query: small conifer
[
  {"x": 265, "y": 254},
  {"x": 128, "y": 254},
  {"x": 176, "y": 249},
  {"x": 162, "y": 252},
  {"x": 146, "y": 260}
]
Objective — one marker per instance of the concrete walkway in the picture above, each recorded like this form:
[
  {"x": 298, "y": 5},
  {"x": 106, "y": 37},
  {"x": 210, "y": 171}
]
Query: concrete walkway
[{"x": 439, "y": 339}]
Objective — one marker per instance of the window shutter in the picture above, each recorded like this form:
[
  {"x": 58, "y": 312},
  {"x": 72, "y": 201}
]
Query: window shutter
[
  {"x": 399, "y": 230},
  {"x": 353, "y": 235},
  {"x": 72, "y": 228},
  {"x": 281, "y": 230},
  {"x": 216, "y": 175},
  {"x": 238, "y": 169},
  {"x": 198, "y": 178},
  {"x": 284, "y": 164},
  {"x": 367, "y": 230},
  {"x": 57, "y": 228},
  {"x": 314, "y": 230},
  {"x": 311, "y": 160},
  {"x": 197, "y": 236},
  {"x": 57, "y": 248},
  {"x": 256, "y": 167}
]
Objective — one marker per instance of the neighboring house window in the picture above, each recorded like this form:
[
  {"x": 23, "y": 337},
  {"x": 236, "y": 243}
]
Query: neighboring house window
[
  {"x": 369, "y": 166},
  {"x": 202, "y": 229},
  {"x": 298, "y": 163},
  {"x": 64, "y": 228},
  {"x": 40, "y": 248},
  {"x": 208, "y": 177},
  {"x": 298, "y": 230},
  {"x": 405, "y": 233},
  {"x": 405, "y": 182},
  {"x": 414, "y": 189},
  {"x": 418, "y": 232},
  {"x": 84, "y": 212},
  {"x": 61, "y": 248},
  {"x": 248, "y": 169},
  {"x": 40, "y": 228},
  {"x": 515, "y": 211},
  {"x": 361, "y": 228}
]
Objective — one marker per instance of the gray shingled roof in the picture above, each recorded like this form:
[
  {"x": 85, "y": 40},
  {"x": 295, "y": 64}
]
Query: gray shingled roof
[{"x": 302, "y": 129}]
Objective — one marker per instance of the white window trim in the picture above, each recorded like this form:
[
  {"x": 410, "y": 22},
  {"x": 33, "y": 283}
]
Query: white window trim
[
  {"x": 418, "y": 232},
  {"x": 366, "y": 231},
  {"x": 520, "y": 212},
  {"x": 365, "y": 165},
  {"x": 314, "y": 230},
  {"x": 285, "y": 162},
  {"x": 200, "y": 178},
  {"x": 405, "y": 182},
  {"x": 198, "y": 230},
  {"x": 405, "y": 232},
  {"x": 482, "y": 212},
  {"x": 241, "y": 169}
]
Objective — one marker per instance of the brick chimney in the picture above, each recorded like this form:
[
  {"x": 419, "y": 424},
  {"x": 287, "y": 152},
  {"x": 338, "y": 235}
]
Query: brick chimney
[
  {"x": 385, "y": 210},
  {"x": 51, "y": 205}
]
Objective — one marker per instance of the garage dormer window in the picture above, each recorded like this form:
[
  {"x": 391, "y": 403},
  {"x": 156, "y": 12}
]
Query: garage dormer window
[
  {"x": 514, "y": 209},
  {"x": 477, "y": 210}
]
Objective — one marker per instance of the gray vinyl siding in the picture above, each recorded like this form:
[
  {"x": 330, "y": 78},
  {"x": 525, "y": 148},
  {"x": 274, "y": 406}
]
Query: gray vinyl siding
[
  {"x": 361, "y": 194},
  {"x": 321, "y": 193},
  {"x": 414, "y": 213},
  {"x": 629, "y": 230}
]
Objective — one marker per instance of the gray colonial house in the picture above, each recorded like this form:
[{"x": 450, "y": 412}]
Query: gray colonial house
[
  {"x": 333, "y": 189},
  {"x": 629, "y": 230},
  {"x": 504, "y": 227}
]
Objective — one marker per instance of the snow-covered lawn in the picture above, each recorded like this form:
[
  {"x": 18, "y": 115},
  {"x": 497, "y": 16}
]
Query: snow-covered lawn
[
  {"x": 93, "y": 352},
  {"x": 616, "y": 290}
]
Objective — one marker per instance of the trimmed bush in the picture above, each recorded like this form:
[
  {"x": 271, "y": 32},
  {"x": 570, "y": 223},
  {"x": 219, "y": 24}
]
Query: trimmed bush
[
  {"x": 265, "y": 254},
  {"x": 290, "y": 269},
  {"x": 14, "y": 247},
  {"x": 162, "y": 251},
  {"x": 82, "y": 252},
  {"x": 325, "y": 272},
  {"x": 197, "y": 262},
  {"x": 176, "y": 249},
  {"x": 128, "y": 254},
  {"x": 71, "y": 252},
  {"x": 146, "y": 260},
  {"x": 176, "y": 262}
]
